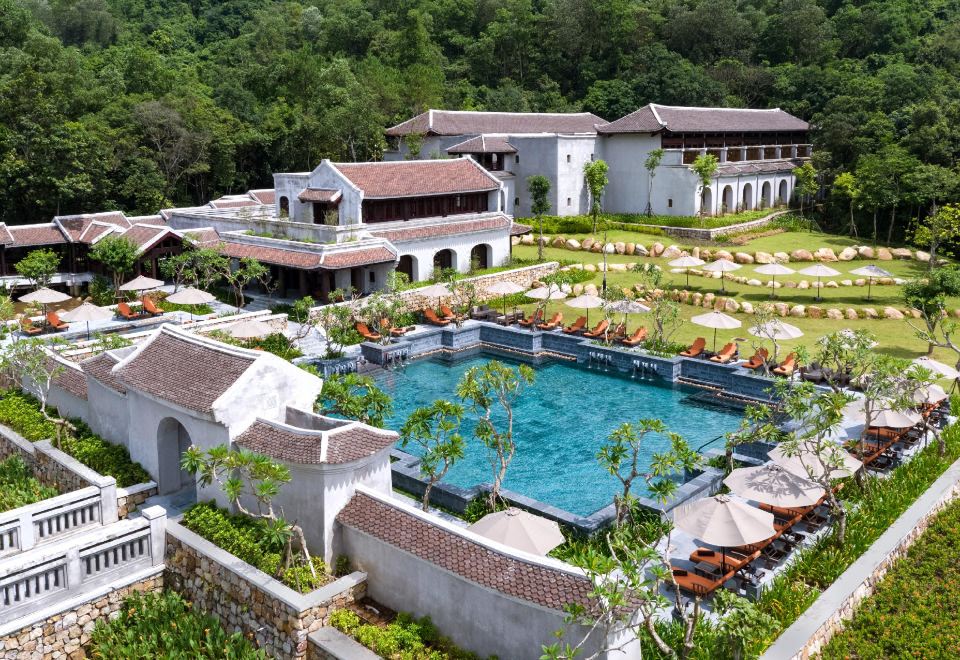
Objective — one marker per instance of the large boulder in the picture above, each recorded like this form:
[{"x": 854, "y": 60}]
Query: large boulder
[
  {"x": 723, "y": 254},
  {"x": 695, "y": 252},
  {"x": 847, "y": 254},
  {"x": 743, "y": 258},
  {"x": 597, "y": 247},
  {"x": 730, "y": 305},
  {"x": 781, "y": 309},
  {"x": 782, "y": 257},
  {"x": 746, "y": 307},
  {"x": 587, "y": 243},
  {"x": 901, "y": 253},
  {"x": 610, "y": 248},
  {"x": 920, "y": 255},
  {"x": 763, "y": 257},
  {"x": 590, "y": 268},
  {"x": 801, "y": 255},
  {"x": 850, "y": 314},
  {"x": 754, "y": 282},
  {"x": 573, "y": 244},
  {"x": 803, "y": 284},
  {"x": 883, "y": 254},
  {"x": 526, "y": 239},
  {"x": 696, "y": 299},
  {"x": 641, "y": 251},
  {"x": 671, "y": 252},
  {"x": 790, "y": 284},
  {"x": 870, "y": 313},
  {"x": 590, "y": 289},
  {"x": 559, "y": 242},
  {"x": 835, "y": 314},
  {"x": 705, "y": 254},
  {"x": 618, "y": 268},
  {"x": 620, "y": 247},
  {"x": 831, "y": 284},
  {"x": 629, "y": 248},
  {"x": 825, "y": 254},
  {"x": 860, "y": 281},
  {"x": 708, "y": 299},
  {"x": 846, "y": 282},
  {"x": 656, "y": 249},
  {"x": 514, "y": 240},
  {"x": 866, "y": 252},
  {"x": 798, "y": 311},
  {"x": 577, "y": 289},
  {"x": 892, "y": 313},
  {"x": 815, "y": 312}
]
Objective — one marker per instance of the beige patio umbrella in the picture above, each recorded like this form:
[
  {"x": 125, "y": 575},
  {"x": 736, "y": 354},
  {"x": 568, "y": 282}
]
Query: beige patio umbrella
[
  {"x": 438, "y": 291},
  {"x": 586, "y": 301},
  {"x": 717, "y": 321},
  {"x": 776, "y": 330},
  {"x": 85, "y": 313},
  {"x": 932, "y": 393},
  {"x": 191, "y": 296},
  {"x": 937, "y": 367},
  {"x": 686, "y": 263},
  {"x": 722, "y": 266},
  {"x": 885, "y": 415},
  {"x": 141, "y": 283},
  {"x": 773, "y": 484},
  {"x": 724, "y": 521},
  {"x": 871, "y": 272},
  {"x": 818, "y": 271},
  {"x": 505, "y": 288},
  {"x": 249, "y": 329},
  {"x": 773, "y": 270},
  {"x": 546, "y": 293},
  {"x": 806, "y": 464},
  {"x": 45, "y": 296},
  {"x": 521, "y": 530}
]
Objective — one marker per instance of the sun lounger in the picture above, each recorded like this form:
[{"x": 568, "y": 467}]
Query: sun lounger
[
  {"x": 638, "y": 337},
  {"x": 554, "y": 322},
  {"x": 697, "y": 584},
  {"x": 393, "y": 330},
  {"x": 530, "y": 322},
  {"x": 731, "y": 560},
  {"x": 366, "y": 333},
  {"x": 27, "y": 326},
  {"x": 758, "y": 359},
  {"x": 576, "y": 326},
  {"x": 148, "y": 306},
  {"x": 448, "y": 313},
  {"x": 598, "y": 330},
  {"x": 433, "y": 319},
  {"x": 54, "y": 322},
  {"x": 695, "y": 349},
  {"x": 726, "y": 354},
  {"x": 123, "y": 309},
  {"x": 787, "y": 366}
]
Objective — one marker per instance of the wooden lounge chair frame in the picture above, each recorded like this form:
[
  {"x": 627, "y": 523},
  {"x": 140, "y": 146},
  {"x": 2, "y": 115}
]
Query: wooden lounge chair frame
[
  {"x": 786, "y": 367},
  {"x": 554, "y": 322},
  {"x": 726, "y": 354},
  {"x": 638, "y": 337},
  {"x": 27, "y": 327},
  {"x": 599, "y": 330},
  {"x": 148, "y": 306},
  {"x": 124, "y": 311},
  {"x": 533, "y": 320},
  {"x": 757, "y": 360}
]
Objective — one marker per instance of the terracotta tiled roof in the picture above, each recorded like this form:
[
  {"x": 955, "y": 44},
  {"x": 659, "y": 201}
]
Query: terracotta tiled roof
[
  {"x": 79, "y": 222},
  {"x": 233, "y": 203},
  {"x": 94, "y": 231},
  {"x": 29, "y": 235},
  {"x": 449, "y": 228},
  {"x": 350, "y": 442},
  {"x": 759, "y": 167},
  {"x": 357, "y": 257},
  {"x": 319, "y": 195},
  {"x": 272, "y": 255},
  {"x": 461, "y": 122},
  {"x": 517, "y": 229},
  {"x": 99, "y": 367},
  {"x": 483, "y": 144},
  {"x": 6, "y": 237},
  {"x": 653, "y": 117},
  {"x": 416, "y": 178},
  {"x": 205, "y": 237},
  {"x": 148, "y": 220},
  {"x": 71, "y": 379},
  {"x": 189, "y": 373},
  {"x": 264, "y": 195},
  {"x": 144, "y": 236},
  {"x": 534, "y": 583}
]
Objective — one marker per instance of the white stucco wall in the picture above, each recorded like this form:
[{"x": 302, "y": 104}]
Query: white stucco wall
[
  {"x": 108, "y": 412},
  {"x": 67, "y": 404},
  {"x": 325, "y": 176},
  {"x": 573, "y": 153},
  {"x": 625, "y": 154},
  {"x": 423, "y": 251}
]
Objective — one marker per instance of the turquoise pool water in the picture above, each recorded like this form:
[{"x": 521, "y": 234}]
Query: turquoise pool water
[{"x": 560, "y": 423}]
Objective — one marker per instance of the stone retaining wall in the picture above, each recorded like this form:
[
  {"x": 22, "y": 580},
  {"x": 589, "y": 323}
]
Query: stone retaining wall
[
  {"x": 330, "y": 644},
  {"x": 248, "y": 600},
  {"x": 697, "y": 234},
  {"x": 132, "y": 498},
  {"x": 826, "y": 617}
]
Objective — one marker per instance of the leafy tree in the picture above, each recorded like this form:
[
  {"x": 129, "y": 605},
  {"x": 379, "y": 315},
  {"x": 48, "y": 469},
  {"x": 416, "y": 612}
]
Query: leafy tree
[
  {"x": 704, "y": 167},
  {"x": 943, "y": 227},
  {"x": 806, "y": 176},
  {"x": 196, "y": 267},
  {"x": 486, "y": 389},
  {"x": 651, "y": 164},
  {"x": 31, "y": 363},
  {"x": 844, "y": 356},
  {"x": 595, "y": 175},
  {"x": 666, "y": 317},
  {"x": 247, "y": 271},
  {"x": 353, "y": 396},
  {"x": 845, "y": 186},
  {"x": 335, "y": 322},
  {"x": 539, "y": 188},
  {"x": 929, "y": 295},
  {"x": 39, "y": 266},
  {"x": 436, "y": 429},
  {"x": 118, "y": 254}
]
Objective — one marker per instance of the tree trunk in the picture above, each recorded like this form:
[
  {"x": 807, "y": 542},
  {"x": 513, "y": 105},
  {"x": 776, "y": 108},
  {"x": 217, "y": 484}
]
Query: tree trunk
[
  {"x": 893, "y": 220},
  {"x": 853, "y": 224},
  {"x": 426, "y": 496},
  {"x": 841, "y": 515},
  {"x": 875, "y": 226},
  {"x": 540, "y": 242}
]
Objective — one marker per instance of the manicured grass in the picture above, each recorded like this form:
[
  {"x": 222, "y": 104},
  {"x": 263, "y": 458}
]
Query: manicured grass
[{"x": 18, "y": 486}]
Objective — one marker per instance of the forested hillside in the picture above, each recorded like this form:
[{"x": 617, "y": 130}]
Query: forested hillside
[{"x": 140, "y": 104}]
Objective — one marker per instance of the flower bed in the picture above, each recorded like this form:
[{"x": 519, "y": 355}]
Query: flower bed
[
  {"x": 405, "y": 638},
  {"x": 163, "y": 626},
  {"x": 21, "y": 412},
  {"x": 914, "y": 611},
  {"x": 251, "y": 541},
  {"x": 18, "y": 486}
]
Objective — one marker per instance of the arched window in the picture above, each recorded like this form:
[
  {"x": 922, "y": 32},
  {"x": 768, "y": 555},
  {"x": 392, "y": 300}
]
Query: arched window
[{"x": 284, "y": 207}]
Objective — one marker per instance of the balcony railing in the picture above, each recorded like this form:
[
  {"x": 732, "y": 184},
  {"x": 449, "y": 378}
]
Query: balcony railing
[{"x": 744, "y": 153}]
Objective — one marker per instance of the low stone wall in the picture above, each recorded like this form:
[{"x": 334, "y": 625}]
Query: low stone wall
[
  {"x": 822, "y": 620},
  {"x": 248, "y": 600},
  {"x": 132, "y": 498},
  {"x": 63, "y": 635},
  {"x": 697, "y": 234},
  {"x": 330, "y": 644}
]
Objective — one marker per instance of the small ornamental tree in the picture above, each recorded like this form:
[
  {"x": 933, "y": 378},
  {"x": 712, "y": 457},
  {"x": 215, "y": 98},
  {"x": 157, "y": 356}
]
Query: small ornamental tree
[
  {"x": 31, "y": 363},
  {"x": 39, "y": 266},
  {"x": 929, "y": 295},
  {"x": 704, "y": 167},
  {"x": 651, "y": 164},
  {"x": 488, "y": 388},
  {"x": 118, "y": 254},
  {"x": 247, "y": 271},
  {"x": 844, "y": 356},
  {"x": 665, "y": 314},
  {"x": 353, "y": 396},
  {"x": 846, "y": 187},
  {"x": 943, "y": 227},
  {"x": 806, "y": 186},
  {"x": 245, "y": 477},
  {"x": 595, "y": 175},
  {"x": 7, "y": 314},
  {"x": 196, "y": 267},
  {"x": 436, "y": 430},
  {"x": 335, "y": 322},
  {"x": 757, "y": 424},
  {"x": 539, "y": 188}
]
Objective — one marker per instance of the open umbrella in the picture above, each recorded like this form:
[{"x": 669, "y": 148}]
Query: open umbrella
[
  {"x": 722, "y": 266},
  {"x": 141, "y": 283},
  {"x": 686, "y": 263},
  {"x": 773, "y": 484},
  {"x": 806, "y": 463},
  {"x": 545, "y": 293},
  {"x": 45, "y": 296},
  {"x": 438, "y": 291},
  {"x": 586, "y": 301},
  {"x": 717, "y": 321},
  {"x": 870, "y": 272},
  {"x": 932, "y": 393},
  {"x": 724, "y": 521},
  {"x": 937, "y": 367},
  {"x": 625, "y": 307},
  {"x": 85, "y": 313},
  {"x": 818, "y": 271},
  {"x": 249, "y": 329},
  {"x": 773, "y": 270},
  {"x": 191, "y": 296},
  {"x": 505, "y": 288},
  {"x": 776, "y": 330},
  {"x": 521, "y": 530},
  {"x": 884, "y": 414}
]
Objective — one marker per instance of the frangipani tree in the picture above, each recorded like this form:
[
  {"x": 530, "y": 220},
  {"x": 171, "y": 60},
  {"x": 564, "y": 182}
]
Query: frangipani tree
[
  {"x": 436, "y": 429},
  {"x": 31, "y": 364}
]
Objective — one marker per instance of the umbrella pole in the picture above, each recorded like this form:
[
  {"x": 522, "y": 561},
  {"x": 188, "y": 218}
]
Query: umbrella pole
[
  {"x": 773, "y": 287},
  {"x": 818, "y": 289},
  {"x": 688, "y": 278},
  {"x": 869, "y": 287},
  {"x": 714, "y": 340}
]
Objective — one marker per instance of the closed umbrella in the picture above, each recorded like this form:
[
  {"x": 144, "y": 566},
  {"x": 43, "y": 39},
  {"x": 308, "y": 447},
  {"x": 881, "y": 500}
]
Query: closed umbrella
[
  {"x": 773, "y": 270},
  {"x": 937, "y": 367},
  {"x": 870, "y": 272},
  {"x": 776, "y": 330},
  {"x": 818, "y": 271},
  {"x": 722, "y": 266},
  {"x": 773, "y": 484},
  {"x": 505, "y": 288},
  {"x": 191, "y": 296},
  {"x": 438, "y": 291},
  {"x": 85, "y": 313},
  {"x": 586, "y": 301},
  {"x": 725, "y": 522},
  {"x": 686, "y": 263},
  {"x": 806, "y": 463},
  {"x": 717, "y": 321},
  {"x": 249, "y": 329},
  {"x": 141, "y": 283},
  {"x": 521, "y": 530}
]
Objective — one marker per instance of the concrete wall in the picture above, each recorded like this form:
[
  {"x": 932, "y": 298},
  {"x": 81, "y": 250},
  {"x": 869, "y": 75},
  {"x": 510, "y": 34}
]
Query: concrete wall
[
  {"x": 107, "y": 413},
  {"x": 423, "y": 250},
  {"x": 627, "y": 192}
]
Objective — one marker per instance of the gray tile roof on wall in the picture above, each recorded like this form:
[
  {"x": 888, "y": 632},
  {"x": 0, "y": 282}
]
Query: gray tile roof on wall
[
  {"x": 654, "y": 117},
  {"x": 465, "y": 122},
  {"x": 71, "y": 379},
  {"x": 343, "y": 445},
  {"x": 99, "y": 367},
  {"x": 483, "y": 144},
  {"x": 534, "y": 583},
  {"x": 447, "y": 228},
  {"x": 759, "y": 167}
]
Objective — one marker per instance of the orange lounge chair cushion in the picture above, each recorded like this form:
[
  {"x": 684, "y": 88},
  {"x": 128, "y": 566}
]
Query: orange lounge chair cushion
[
  {"x": 150, "y": 307},
  {"x": 432, "y": 317},
  {"x": 366, "y": 333},
  {"x": 696, "y": 348},
  {"x": 55, "y": 321},
  {"x": 577, "y": 325}
]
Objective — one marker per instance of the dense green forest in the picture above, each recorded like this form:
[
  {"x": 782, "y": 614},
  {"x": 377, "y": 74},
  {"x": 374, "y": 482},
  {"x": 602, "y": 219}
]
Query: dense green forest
[{"x": 141, "y": 104}]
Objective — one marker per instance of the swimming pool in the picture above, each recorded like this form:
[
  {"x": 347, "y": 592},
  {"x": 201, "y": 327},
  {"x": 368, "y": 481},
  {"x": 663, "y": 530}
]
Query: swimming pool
[{"x": 560, "y": 423}]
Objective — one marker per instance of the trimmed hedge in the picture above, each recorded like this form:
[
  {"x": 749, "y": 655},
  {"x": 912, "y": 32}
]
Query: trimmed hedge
[
  {"x": 246, "y": 538},
  {"x": 406, "y": 638},
  {"x": 18, "y": 486},
  {"x": 163, "y": 626}
]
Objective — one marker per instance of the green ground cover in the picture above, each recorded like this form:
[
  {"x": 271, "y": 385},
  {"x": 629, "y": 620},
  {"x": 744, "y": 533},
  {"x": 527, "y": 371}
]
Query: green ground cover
[
  {"x": 405, "y": 638},
  {"x": 584, "y": 223},
  {"x": 18, "y": 486}
]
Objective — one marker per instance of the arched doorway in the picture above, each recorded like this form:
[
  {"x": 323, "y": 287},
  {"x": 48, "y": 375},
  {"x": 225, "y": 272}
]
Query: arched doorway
[
  {"x": 172, "y": 441},
  {"x": 747, "y": 199},
  {"x": 766, "y": 195},
  {"x": 480, "y": 256},
  {"x": 728, "y": 205},
  {"x": 706, "y": 201},
  {"x": 783, "y": 195},
  {"x": 284, "y": 207},
  {"x": 443, "y": 259},
  {"x": 408, "y": 265}
]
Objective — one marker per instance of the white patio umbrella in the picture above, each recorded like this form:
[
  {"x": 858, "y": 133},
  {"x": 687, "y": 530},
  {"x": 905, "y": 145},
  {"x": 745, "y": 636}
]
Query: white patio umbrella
[
  {"x": 85, "y": 313},
  {"x": 191, "y": 296},
  {"x": 884, "y": 414},
  {"x": 438, "y": 291},
  {"x": 717, "y": 321},
  {"x": 776, "y": 330},
  {"x": 141, "y": 283},
  {"x": 773, "y": 270},
  {"x": 625, "y": 307},
  {"x": 586, "y": 301},
  {"x": 932, "y": 393},
  {"x": 724, "y": 521},
  {"x": 870, "y": 272},
  {"x": 773, "y": 484},
  {"x": 806, "y": 463},
  {"x": 249, "y": 329},
  {"x": 686, "y": 263},
  {"x": 45, "y": 296},
  {"x": 722, "y": 266},
  {"x": 546, "y": 293},
  {"x": 505, "y": 288},
  {"x": 818, "y": 271},
  {"x": 937, "y": 367},
  {"x": 521, "y": 530}
]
